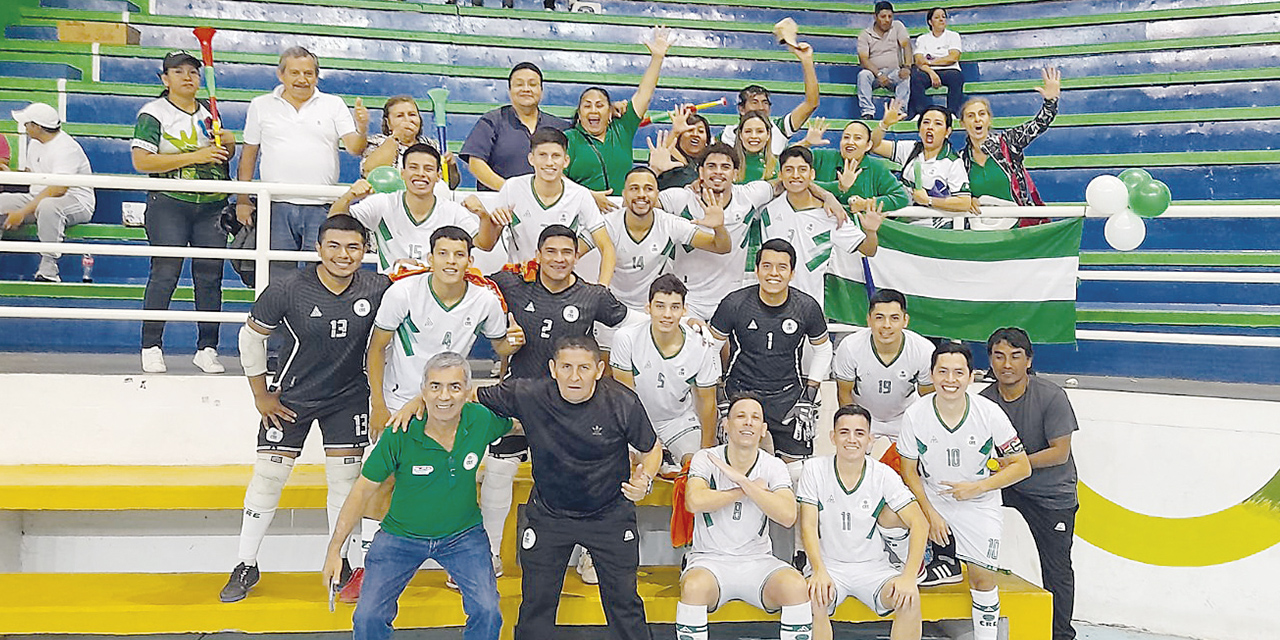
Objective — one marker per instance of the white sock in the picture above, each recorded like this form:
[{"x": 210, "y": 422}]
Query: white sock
[
  {"x": 495, "y": 497},
  {"x": 986, "y": 614},
  {"x": 270, "y": 473},
  {"x": 794, "y": 468},
  {"x": 691, "y": 621},
  {"x": 797, "y": 622},
  {"x": 898, "y": 541},
  {"x": 340, "y": 473}
]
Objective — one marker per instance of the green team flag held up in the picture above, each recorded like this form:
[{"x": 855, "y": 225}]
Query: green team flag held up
[{"x": 966, "y": 284}]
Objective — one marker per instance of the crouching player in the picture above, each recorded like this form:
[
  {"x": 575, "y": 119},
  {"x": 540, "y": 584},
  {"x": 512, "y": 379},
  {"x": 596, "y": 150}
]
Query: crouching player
[
  {"x": 842, "y": 498},
  {"x": 734, "y": 490},
  {"x": 955, "y": 437}
]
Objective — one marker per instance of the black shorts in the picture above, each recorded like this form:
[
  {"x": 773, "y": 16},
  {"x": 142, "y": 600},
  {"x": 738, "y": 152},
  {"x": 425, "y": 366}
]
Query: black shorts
[
  {"x": 344, "y": 425},
  {"x": 777, "y": 404},
  {"x": 512, "y": 446}
]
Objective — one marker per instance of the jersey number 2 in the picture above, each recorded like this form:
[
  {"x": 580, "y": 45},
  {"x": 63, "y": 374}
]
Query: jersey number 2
[{"x": 546, "y": 328}]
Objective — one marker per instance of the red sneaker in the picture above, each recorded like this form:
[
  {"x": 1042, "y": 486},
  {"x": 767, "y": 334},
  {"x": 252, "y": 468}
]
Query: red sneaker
[{"x": 350, "y": 592}]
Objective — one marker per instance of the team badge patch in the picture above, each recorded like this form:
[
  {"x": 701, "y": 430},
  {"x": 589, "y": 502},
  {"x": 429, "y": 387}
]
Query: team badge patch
[
  {"x": 571, "y": 313},
  {"x": 470, "y": 461},
  {"x": 274, "y": 434},
  {"x": 528, "y": 539},
  {"x": 902, "y": 374},
  {"x": 423, "y": 469},
  {"x": 789, "y": 326},
  {"x": 362, "y": 307}
]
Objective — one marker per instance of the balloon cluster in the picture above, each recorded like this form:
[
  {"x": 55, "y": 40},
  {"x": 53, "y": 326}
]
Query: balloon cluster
[{"x": 1126, "y": 200}]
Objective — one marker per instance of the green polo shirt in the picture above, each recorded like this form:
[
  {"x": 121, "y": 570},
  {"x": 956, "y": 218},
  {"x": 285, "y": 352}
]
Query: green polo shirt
[
  {"x": 753, "y": 168},
  {"x": 435, "y": 490},
  {"x": 875, "y": 180},
  {"x": 598, "y": 165},
  {"x": 989, "y": 180}
]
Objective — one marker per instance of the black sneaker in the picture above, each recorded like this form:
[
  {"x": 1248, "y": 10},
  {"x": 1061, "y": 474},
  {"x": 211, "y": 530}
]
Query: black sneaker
[
  {"x": 345, "y": 574},
  {"x": 944, "y": 569},
  {"x": 549, "y": 5},
  {"x": 242, "y": 579},
  {"x": 800, "y": 561}
]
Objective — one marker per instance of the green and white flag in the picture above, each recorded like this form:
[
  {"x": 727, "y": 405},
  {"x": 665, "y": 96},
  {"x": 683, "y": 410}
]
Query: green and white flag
[{"x": 966, "y": 284}]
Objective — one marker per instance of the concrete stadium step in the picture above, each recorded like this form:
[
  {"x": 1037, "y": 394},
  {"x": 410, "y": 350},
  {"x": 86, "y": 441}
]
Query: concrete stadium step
[{"x": 136, "y": 604}]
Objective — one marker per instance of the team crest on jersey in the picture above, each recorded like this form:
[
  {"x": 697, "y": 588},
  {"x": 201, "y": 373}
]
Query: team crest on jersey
[
  {"x": 973, "y": 442},
  {"x": 470, "y": 461},
  {"x": 571, "y": 313},
  {"x": 274, "y": 434},
  {"x": 468, "y": 322},
  {"x": 902, "y": 374},
  {"x": 362, "y": 307},
  {"x": 866, "y": 504},
  {"x": 789, "y": 326},
  {"x": 529, "y": 539}
]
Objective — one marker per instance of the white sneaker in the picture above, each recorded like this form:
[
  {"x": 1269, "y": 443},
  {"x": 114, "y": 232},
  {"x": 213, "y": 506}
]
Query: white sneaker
[
  {"x": 207, "y": 360},
  {"x": 497, "y": 566},
  {"x": 587, "y": 569},
  {"x": 153, "y": 360}
]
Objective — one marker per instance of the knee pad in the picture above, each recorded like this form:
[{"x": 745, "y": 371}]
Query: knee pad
[
  {"x": 499, "y": 476},
  {"x": 340, "y": 473},
  {"x": 270, "y": 473}
]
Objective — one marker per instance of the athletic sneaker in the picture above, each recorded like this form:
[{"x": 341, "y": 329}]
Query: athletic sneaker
[
  {"x": 43, "y": 277},
  {"x": 207, "y": 360},
  {"x": 350, "y": 592},
  {"x": 587, "y": 568},
  {"x": 669, "y": 470},
  {"x": 497, "y": 573},
  {"x": 153, "y": 360},
  {"x": 945, "y": 569},
  {"x": 242, "y": 579},
  {"x": 868, "y": 115},
  {"x": 800, "y": 561}
]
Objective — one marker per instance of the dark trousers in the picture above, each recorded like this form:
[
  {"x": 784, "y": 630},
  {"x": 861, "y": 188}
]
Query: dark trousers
[
  {"x": 545, "y": 546},
  {"x": 174, "y": 223},
  {"x": 952, "y": 79},
  {"x": 1053, "y": 531}
]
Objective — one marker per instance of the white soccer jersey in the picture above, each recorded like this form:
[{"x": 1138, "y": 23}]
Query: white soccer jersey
[
  {"x": 712, "y": 276},
  {"x": 740, "y": 528},
  {"x": 847, "y": 515},
  {"x": 398, "y": 236},
  {"x": 575, "y": 209},
  {"x": 816, "y": 238},
  {"x": 423, "y": 327},
  {"x": 640, "y": 262},
  {"x": 958, "y": 455},
  {"x": 886, "y": 389},
  {"x": 665, "y": 385}
]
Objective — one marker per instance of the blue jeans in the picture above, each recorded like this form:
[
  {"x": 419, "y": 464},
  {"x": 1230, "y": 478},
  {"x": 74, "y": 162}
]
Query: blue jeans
[
  {"x": 294, "y": 227},
  {"x": 391, "y": 562},
  {"x": 952, "y": 79},
  {"x": 867, "y": 83}
]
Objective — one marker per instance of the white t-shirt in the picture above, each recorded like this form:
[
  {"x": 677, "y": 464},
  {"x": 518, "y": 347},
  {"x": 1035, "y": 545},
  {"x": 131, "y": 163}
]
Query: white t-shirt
[
  {"x": 665, "y": 385},
  {"x": 397, "y": 235},
  {"x": 298, "y": 146},
  {"x": 640, "y": 262},
  {"x": 885, "y": 389},
  {"x": 712, "y": 276},
  {"x": 61, "y": 155},
  {"x": 933, "y": 47},
  {"x": 942, "y": 176},
  {"x": 847, "y": 515},
  {"x": 960, "y": 455},
  {"x": 816, "y": 239},
  {"x": 739, "y": 528},
  {"x": 575, "y": 209},
  {"x": 424, "y": 327}
]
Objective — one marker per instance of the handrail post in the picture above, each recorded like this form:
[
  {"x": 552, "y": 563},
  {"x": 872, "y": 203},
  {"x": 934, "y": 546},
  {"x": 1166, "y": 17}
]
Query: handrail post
[{"x": 261, "y": 263}]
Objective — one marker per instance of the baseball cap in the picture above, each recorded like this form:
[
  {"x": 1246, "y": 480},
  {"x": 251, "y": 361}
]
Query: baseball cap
[
  {"x": 179, "y": 58},
  {"x": 39, "y": 113}
]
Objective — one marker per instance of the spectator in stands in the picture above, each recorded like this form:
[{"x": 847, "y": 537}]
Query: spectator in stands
[
  {"x": 53, "y": 209},
  {"x": 756, "y": 98},
  {"x": 600, "y": 145},
  {"x": 498, "y": 146},
  {"x": 751, "y": 142},
  {"x": 930, "y": 168},
  {"x": 937, "y": 56},
  {"x": 401, "y": 129},
  {"x": 884, "y": 52},
  {"x": 994, "y": 162},
  {"x": 296, "y": 129},
  {"x": 1042, "y": 415},
  {"x": 173, "y": 140},
  {"x": 689, "y": 136},
  {"x": 5, "y": 153},
  {"x": 858, "y": 179}
]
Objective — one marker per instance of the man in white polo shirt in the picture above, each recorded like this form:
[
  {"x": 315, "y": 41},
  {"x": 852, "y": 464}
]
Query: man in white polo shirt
[
  {"x": 53, "y": 209},
  {"x": 296, "y": 129}
]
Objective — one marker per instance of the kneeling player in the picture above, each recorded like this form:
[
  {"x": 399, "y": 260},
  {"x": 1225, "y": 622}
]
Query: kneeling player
[
  {"x": 839, "y": 524},
  {"x": 954, "y": 437},
  {"x": 734, "y": 490}
]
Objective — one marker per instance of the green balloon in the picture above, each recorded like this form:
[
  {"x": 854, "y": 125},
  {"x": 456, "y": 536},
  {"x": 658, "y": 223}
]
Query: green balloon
[
  {"x": 1134, "y": 177},
  {"x": 1150, "y": 200},
  {"x": 385, "y": 180}
]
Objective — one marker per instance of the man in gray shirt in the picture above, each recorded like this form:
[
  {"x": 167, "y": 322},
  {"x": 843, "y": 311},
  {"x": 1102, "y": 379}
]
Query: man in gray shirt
[
  {"x": 1042, "y": 416},
  {"x": 884, "y": 52}
]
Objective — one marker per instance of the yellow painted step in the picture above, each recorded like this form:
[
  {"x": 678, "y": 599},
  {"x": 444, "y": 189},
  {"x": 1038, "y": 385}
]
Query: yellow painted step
[{"x": 118, "y": 487}]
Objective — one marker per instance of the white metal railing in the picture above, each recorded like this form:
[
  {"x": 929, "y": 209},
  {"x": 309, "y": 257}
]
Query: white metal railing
[{"x": 263, "y": 255}]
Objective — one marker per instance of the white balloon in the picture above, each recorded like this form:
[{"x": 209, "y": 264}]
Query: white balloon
[
  {"x": 1125, "y": 231},
  {"x": 1107, "y": 195}
]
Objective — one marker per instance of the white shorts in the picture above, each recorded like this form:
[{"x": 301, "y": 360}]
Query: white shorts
[
  {"x": 861, "y": 580},
  {"x": 739, "y": 577},
  {"x": 976, "y": 529},
  {"x": 891, "y": 429},
  {"x": 604, "y": 333},
  {"x": 681, "y": 436}
]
